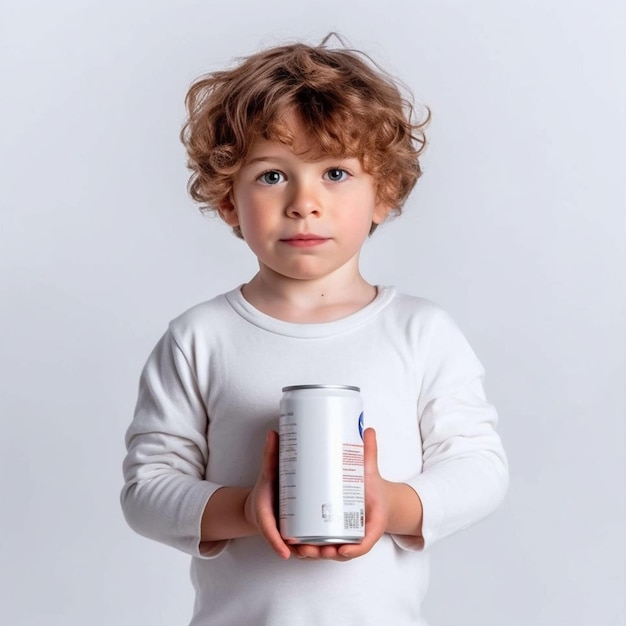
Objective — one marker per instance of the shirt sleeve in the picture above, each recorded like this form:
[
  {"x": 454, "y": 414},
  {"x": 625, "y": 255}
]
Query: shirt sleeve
[
  {"x": 464, "y": 475},
  {"x": 165, "y": 492}
]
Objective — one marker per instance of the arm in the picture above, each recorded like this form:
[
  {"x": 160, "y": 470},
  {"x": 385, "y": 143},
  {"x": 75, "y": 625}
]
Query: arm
[
  {"x": 165, "y": 496},
  {"x": 464, "y": 478},
  {"x": 243, "y": 511},
  {"x": 464, "y": 473},
  {"x": 465, "y": 469},
  {"x": 165, "y": 493}
]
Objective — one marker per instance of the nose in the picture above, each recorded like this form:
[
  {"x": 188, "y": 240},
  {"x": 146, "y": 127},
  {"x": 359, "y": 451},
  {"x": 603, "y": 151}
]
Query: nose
[{"x": 304, "y": 201}]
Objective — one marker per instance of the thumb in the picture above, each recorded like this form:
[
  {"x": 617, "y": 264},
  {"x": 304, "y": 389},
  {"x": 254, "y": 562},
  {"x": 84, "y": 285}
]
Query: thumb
[
  {"x": 370, "y": 451},
  {"x": 270, "y": 454}
]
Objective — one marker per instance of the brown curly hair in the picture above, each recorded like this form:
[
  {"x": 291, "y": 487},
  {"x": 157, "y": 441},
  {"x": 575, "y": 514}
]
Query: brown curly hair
[{"x": 346, "y": 104}]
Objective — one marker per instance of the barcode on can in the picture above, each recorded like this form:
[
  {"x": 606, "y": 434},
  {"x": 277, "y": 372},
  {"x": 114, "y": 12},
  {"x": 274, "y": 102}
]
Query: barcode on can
[{"x": 353, "y": 520}]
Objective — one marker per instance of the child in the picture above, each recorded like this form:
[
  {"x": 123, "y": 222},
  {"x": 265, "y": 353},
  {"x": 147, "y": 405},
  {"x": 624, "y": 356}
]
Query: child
[{"x": 304, "y": 151}]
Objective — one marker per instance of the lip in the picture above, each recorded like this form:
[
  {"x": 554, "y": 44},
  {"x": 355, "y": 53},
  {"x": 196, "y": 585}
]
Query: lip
[{"x": 304, "y": 240}]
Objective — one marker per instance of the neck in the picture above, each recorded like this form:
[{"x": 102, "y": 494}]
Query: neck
[{"x": 308, "y": 301}]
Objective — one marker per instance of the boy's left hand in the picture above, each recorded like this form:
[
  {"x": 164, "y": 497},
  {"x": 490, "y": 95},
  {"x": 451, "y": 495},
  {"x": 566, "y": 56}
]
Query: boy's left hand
[{"x": 377, "y": 511}]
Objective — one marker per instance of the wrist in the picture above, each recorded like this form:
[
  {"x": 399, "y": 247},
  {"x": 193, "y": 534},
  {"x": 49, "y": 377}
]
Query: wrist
[
  {"x": 405, "y": 509},
  {"x": 249, "y": 514},
  {"x": 225, "y": 515}
]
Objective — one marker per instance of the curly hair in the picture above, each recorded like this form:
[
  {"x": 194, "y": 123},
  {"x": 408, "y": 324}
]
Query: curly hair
[{"x": 345, "y": 103}]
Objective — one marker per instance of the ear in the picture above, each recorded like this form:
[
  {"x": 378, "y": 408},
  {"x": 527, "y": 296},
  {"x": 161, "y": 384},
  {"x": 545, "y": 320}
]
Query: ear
[
  {"x": 381, "y": 211},
  {"x": 228, "y": 211}
]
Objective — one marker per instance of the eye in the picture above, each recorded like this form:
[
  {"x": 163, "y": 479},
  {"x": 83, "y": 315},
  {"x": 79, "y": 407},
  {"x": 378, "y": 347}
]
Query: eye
[
  {"x": 336, "y": 175},
  {"x": 271, "y": 177}
]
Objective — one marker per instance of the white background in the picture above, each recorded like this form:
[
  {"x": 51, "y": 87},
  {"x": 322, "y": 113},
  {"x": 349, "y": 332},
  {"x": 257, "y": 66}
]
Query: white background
[{"x": 516, "y": 228}]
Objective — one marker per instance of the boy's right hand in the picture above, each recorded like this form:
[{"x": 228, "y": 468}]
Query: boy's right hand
[{"x": 259, "y": 505}]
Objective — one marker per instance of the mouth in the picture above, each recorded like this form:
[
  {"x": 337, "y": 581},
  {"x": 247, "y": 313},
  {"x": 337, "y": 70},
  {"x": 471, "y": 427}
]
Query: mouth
[{"x": 304, "y": 240}]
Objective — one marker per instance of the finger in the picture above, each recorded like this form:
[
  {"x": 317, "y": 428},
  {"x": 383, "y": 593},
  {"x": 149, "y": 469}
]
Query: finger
[
  {"x": 270, "y": 455},
  {"x": 277, "y": 544},
  {"x": 308, "y": 551},
  {"x": 267, "y": 527},
  {"x": 266, "y": 518},
  {"x": 374, "y": 530},
  {"x": 352, "y": 551},
  {"x": 370, "y": 451},
  {"x": 329, "y": 552}
]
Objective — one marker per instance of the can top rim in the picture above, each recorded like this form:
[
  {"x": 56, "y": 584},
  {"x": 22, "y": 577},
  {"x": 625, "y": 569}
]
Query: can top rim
[{"x": 296, "y": 387}]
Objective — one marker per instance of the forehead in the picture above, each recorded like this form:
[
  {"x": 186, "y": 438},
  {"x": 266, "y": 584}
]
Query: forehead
[
  {"x": 287, "y": 132},
  {"x": 302, "y": 148},
  {"x": 329, "y": 137}
]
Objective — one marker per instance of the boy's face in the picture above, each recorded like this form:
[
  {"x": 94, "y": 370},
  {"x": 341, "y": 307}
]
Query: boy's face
[{"x": 303, "y": 219}]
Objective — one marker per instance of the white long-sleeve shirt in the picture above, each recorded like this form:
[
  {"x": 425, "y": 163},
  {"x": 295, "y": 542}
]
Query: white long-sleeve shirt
[{"x": 209, "y": 393}]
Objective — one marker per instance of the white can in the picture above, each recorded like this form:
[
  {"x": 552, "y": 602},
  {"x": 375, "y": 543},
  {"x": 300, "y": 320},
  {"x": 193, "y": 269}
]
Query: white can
[{"x": 321, "y": 480}]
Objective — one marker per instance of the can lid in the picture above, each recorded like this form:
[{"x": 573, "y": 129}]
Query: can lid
[{"x": 295, "y": 387}]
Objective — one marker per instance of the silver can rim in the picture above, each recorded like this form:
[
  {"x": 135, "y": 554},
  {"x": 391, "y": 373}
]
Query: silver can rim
[{"x": 297, "y": 387}]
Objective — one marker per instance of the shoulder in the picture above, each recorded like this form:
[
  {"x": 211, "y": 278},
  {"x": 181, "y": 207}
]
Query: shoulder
[
  {"x": 426, "y": 326},
  {"x": 416, "y": 312},
  {"x": 447, "y": 360},
  {"x": 415, "y": 305},
  {"x": 202, "y": 318}
]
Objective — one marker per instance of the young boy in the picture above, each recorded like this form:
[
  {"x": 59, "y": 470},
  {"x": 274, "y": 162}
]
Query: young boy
[{"x": 304, "y": 151}]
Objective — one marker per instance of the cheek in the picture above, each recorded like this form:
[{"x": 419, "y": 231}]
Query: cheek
[
  {"x": 355, "y": 232},
  {"x": 360, "y": 215},
  {"x": 257, "y": 224},
  {"x": 257, "y": 220}
]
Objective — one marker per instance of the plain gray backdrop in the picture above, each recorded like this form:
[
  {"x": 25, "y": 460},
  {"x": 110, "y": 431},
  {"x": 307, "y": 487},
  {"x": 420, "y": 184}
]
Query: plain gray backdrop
[{"x": 516, "y": 228}]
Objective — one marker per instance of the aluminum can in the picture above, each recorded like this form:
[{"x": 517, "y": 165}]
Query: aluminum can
[{"x": 321, "y": 478}]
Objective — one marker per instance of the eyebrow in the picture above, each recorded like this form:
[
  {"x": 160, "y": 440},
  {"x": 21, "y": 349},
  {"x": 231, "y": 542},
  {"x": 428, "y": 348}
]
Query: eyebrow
[
  {"x": 279, "y": 158},
  {"x": 262, "y": 158}
]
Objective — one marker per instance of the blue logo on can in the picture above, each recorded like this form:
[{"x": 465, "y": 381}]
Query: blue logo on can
[{"x": 361, "y": 425}]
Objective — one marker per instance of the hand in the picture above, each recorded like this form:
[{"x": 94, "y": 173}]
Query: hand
[
  {"x": 377, "y": 511},
  {"x": 259, "y": 505}
]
